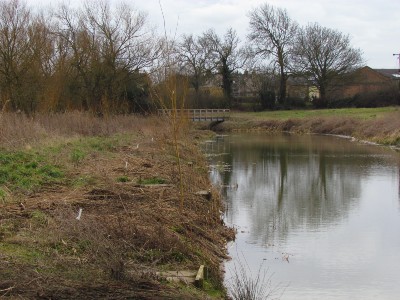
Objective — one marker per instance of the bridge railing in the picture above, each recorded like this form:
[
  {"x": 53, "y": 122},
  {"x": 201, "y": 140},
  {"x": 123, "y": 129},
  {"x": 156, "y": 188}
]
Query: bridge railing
[{"x": 197, "y": 115}]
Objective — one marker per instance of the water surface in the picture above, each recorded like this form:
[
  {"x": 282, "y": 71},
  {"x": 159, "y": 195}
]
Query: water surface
[{"x": 321, "y": 213}]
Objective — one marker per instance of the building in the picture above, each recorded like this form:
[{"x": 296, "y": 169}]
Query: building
[{"x": 367, "y": 80}]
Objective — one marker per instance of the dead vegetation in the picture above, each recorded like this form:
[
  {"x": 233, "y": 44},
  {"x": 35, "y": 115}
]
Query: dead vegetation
[
  {"x": 383, "y": 130},
  {"x": 114, "y": 219}
]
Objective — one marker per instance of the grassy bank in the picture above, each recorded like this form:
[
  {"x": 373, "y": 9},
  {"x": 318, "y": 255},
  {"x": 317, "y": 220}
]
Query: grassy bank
[
  {"x": 379, "y": 125},
  {"x": 90, "y": 208}
]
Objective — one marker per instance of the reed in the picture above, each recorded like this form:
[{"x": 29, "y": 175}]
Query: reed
[
  {"x": 18, "y": 130},
  {"x": 244, "y": 286},
  {"x": 171, "y": 94}
]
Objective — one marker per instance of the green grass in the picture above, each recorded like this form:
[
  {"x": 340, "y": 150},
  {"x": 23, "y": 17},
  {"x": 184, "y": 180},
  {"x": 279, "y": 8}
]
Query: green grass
[
  {"x": 77, "y": 156},
  {"x": 361, "y": 113},
  {"x": 42, "y": 261},
  {"x": 7, "y": 228},
  {"x": 81, "y": 148},
  {"x": 178, "y": 229},
  {"x": 82, "y": 181},
  {"x": 23, "y": 253},
  {"x": 211, "y": 290},
  {"x": 123, "y": 179},
  {"x": 3, "y": 195},
  {"x": 153, "y": 180},
  {"x": 27, "y": 171}
]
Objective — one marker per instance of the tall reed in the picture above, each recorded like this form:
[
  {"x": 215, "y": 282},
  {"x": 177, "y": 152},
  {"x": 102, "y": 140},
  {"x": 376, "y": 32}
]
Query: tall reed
[{"x": 171, "y": 95}]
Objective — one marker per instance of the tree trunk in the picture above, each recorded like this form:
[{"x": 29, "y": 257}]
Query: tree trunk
[
  {"x": 226, "y": 82},
  {"x": 283, "y": 78},
  {"x": 282, "y": 88}
]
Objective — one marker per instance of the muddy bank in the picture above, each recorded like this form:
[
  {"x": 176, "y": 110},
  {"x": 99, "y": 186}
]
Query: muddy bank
[{"x": 114, "y": 219}]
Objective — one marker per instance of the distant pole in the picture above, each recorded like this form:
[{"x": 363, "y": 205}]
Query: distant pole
[{"x": 398, "y": 58}]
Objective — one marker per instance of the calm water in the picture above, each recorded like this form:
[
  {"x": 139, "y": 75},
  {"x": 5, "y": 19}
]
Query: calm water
[{"x": 321, "y": 213}]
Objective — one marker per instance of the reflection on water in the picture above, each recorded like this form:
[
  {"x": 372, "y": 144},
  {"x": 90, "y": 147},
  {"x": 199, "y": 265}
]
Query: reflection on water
[{"x": 321, "y": 212}]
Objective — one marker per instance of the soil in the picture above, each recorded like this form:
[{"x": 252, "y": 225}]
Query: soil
[{"x": 118, "y": 218}]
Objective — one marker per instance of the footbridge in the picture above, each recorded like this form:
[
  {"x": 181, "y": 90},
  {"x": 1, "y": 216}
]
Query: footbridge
[{"x": 197, "y": 115}]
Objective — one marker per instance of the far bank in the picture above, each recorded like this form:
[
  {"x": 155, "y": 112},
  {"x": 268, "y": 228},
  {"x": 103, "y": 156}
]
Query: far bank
[{"x": 377, "y": 125}]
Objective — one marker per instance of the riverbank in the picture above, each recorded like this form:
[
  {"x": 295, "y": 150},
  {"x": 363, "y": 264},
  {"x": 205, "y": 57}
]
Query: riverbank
[
  {"x": 92, "y": 208},
  {"x": 377, "y": 125}
]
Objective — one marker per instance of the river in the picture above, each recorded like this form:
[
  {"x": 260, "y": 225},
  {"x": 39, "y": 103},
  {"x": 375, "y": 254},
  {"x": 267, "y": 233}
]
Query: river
[{"x": 320, "y": 215}]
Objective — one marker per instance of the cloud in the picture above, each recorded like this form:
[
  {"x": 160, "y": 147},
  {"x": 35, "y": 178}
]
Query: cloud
[{"x": 371, "y": 24}]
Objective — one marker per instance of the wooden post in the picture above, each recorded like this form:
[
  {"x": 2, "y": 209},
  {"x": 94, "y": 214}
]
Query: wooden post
[{"x": 199, "y": 281}]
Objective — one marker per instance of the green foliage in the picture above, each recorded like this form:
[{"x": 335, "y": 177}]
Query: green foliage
[
  {"x": 101, "y": 144},
  {"x": 39, "y": 218},
  {"x": 83, "y": 147},
  {"x": 7, "y": 228},
  {"x": 84, "y": 245},
  {"x": 153, "y": 180},
  {"x": 26, "y": 171},
  {"x": 77, "y": 155},
  {"x": 51, "y": 172},
  {"x": 123, "y": 179},
  {"x": 82, "y": 181},
  {"x": 178, "y": 229},
  {"x": 178, "y": 256},
  {"x": 212, "y": 290},
  {"x": 3, "y": 196},
  {"x": 24, "y": 253}
]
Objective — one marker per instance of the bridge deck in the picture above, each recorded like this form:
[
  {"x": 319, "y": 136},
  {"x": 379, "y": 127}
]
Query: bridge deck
[{"x": 198, "y": 115}]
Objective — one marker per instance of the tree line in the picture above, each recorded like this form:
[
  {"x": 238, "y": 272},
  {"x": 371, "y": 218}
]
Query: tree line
[
  {"x": 107, "y": 58},
  {"x": 91, "y": 58}
]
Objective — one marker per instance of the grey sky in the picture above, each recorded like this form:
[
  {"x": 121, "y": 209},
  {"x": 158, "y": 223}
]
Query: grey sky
[{"x": 373, "y": 25}]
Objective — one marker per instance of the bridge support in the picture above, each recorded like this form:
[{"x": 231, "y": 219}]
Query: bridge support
[{"x": 213, "y": 124}]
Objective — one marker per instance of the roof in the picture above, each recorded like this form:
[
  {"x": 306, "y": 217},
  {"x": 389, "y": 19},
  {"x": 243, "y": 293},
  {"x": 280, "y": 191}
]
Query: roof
[{"x": 391, "y": 73}]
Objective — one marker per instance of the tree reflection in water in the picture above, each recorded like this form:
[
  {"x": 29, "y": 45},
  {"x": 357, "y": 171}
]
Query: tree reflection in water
[
  {"x": 290, "y": 181},
  {"x": 296, "y": 193}
]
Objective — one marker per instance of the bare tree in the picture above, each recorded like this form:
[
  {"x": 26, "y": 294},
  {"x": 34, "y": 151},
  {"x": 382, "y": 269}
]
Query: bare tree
[
  {"x": 272, "y": 34},
  {"x": 80, "y": 48},
  {"x": 124, "y": 39},
  {"x": 109, "y": 49},
  {"x": 126, "y": 45},
  {"x": 324, "y": 55},
  {"x": 38, "y": 67},
  {"x": 228, "y": 57},
  {"x": 15, "y": 50},
  {"x": 196, "y": 57}
]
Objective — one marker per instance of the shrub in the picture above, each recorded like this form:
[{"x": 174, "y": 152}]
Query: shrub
[
  {"x": 267, "y": 99},
  {"x": 381, "y": 98}
]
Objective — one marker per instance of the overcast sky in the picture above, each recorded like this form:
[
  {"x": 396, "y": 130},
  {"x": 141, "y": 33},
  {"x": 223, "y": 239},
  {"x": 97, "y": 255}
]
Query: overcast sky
[{"x": 373, "y": 25}]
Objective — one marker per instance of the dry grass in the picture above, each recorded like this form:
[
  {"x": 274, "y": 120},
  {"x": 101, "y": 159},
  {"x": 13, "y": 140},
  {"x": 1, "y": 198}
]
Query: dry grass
[
  {"x": 127, "y": 231},
  {"x": 384, "y": 129},
  {"x": 18, "y": 130}
]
